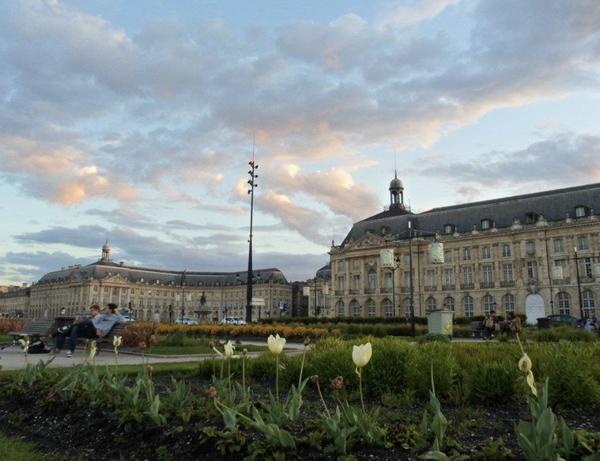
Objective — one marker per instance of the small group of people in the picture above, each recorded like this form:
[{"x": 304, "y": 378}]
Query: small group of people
[
  {"x": 492, "y": 326},
  {"x": 96, "y": 326},
  {"x": 590, "y": 323}
]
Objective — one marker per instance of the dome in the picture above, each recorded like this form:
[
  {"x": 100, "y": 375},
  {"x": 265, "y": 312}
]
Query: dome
[
  {"x": 105, "y": 247},
  {"x": 396, "y": 184}
]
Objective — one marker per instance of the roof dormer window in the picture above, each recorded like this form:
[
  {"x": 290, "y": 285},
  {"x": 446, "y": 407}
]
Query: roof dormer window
[
  {"x": 486, "y": 224},
  {"x": 581, "y": 211},
  {"x": 448, "y": 229},
  {"x": 531, "y": 217}
]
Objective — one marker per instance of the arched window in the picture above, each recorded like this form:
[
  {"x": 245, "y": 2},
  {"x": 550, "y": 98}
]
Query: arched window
[
  {"x": 468, "y": 306},
  {"x": 449, "y": 303},
  {"x": 564, "y": 303},
  {"x": 589, "y": 303},
  {"x": 386, "y": 307},
  {"x": 431, "y": 304},
  {"x": 509, "y": 303},
  {"x": 488, "y": 304},
  {"x": 370, "y": 304},
  {"x": 355, "y": 309},
  {"x": 407, "y": 310},
  {"x": 340, "y": 309}
]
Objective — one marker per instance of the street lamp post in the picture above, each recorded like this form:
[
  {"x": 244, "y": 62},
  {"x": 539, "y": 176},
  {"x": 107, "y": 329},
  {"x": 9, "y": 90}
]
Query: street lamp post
[
  {"x": 182, "y": 295},
  {"x": 578, "y": 284},
  {"x": 253, "y": 185},
  {"x": 250, "y": 280}
]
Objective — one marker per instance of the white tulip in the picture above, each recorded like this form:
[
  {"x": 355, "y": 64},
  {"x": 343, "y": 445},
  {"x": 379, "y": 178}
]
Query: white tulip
[
  {"x": 275, "y": 344},
  {"x": 229, "y": 347},
  {"x": 361, "y": 354},
  {"x": 117, "y": 340}
]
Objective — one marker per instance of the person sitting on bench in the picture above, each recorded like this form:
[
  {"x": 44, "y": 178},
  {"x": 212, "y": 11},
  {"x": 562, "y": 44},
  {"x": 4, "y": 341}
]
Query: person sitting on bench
[{"x": 96, "y": 327}]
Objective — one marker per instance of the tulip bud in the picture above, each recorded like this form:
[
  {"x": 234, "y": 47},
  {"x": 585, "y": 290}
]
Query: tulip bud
[
  {"x": 212, "y": 392},
  {"x": 211, "y": 344},
  {"x": 306, "y": 341},
  {"x": 525, "y": 364}
]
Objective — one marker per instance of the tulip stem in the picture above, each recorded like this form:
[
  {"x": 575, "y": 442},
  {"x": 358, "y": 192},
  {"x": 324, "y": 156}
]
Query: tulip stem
[
  {"x": 244, "y": 371},
  {"x": 301, "y": 368},
  {"x": 229, "y": 375},
  {"x": 322, "y": 399},
  {"x": 277, "y": 377},
  {"x": 362, "y": 402}
]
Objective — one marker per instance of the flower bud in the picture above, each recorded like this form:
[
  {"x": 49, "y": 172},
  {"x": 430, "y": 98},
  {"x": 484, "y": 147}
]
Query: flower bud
[
  {"x": 306, "y": 341},
  {"x": 525, "y": 364},
  {"x": 211, "y": 344},
  {"x": 337, "y": 383},
  {"x": 212, "y": 392}
]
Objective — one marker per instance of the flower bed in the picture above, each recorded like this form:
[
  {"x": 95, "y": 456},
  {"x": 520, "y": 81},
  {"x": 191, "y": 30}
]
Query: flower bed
[
  {"x": 8, "y": 325},
  {"x": 233, "y": 409}
]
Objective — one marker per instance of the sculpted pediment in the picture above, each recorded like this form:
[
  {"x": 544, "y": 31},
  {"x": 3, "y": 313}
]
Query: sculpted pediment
[{"x": 367, "y": 241}]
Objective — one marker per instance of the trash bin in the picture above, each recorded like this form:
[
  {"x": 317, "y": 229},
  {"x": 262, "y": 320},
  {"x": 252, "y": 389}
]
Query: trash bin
[
  {"x": 439, "y": 322},
  {"x": 543, "y": 323}
]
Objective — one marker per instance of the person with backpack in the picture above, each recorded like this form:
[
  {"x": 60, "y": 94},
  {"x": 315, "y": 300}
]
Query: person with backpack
[{"x": 93, "y": 328}]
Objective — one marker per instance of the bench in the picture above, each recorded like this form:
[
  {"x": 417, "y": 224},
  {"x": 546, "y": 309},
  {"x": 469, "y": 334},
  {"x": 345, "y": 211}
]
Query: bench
[
  {"x": 477, "y": 329},
  {"x": 116, "y": 330},
  {"x": 36, "y": 329}
]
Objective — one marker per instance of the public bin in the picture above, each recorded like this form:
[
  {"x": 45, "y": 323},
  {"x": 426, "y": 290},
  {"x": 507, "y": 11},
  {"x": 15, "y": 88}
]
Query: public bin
[{"x": 439, "y": 322}]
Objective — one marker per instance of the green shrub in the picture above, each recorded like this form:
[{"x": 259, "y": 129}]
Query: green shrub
[
  {"x": 433, "y": 337},
  {"x": 331, "y": 362},
  {"x": 563, "y": 332},
  {"x": 386, "y": 372},
  {"x": 493, "y": 383},
  {"x": 418, "y": 368}
]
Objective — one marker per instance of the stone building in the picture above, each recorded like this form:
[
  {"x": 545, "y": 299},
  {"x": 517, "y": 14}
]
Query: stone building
[
  {"x": 518, "y": 253},
  {"x": 153, "y": 293}
]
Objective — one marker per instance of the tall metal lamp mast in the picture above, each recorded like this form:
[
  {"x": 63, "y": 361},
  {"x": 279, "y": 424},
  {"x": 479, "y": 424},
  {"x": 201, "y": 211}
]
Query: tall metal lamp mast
[{"x": 249, "y": 277}]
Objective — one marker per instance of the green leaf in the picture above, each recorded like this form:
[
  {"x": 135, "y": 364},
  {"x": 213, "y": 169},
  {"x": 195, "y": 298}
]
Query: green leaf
[
  {"x": 436, "y": 456},
  {"x": 229, "y": 419}
]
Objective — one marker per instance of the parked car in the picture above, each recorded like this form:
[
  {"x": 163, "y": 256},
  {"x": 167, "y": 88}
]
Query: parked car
[
  {"x": 233, "y": 321},
  {"x": 128, "y": 318},
  {"x": 186, "y": 321}
]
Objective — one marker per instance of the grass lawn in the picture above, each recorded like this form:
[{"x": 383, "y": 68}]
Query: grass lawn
[
  {"x": 14, "y": 449},
  {"x": 5, "y": 339}
]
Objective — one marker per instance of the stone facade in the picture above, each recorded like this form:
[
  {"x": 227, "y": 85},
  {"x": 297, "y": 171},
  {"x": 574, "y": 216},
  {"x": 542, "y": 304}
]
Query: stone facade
[
  {"x": 151, "y": 294},
  {"x": 513, "y": 254}
]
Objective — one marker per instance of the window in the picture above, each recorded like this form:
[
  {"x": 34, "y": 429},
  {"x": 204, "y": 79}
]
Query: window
[
  {"x": 564, "y": 304},
  {"x": 506, "y": 250},
  {"x": 559, "y": 246},
  {"x": 507, "y": 272},
  {"x": 355, "y": 308},
  {"x": 448, "y": 229},
  {"x": 509, "y": 303},
  {"x": 585, "y": 267},
  {"x": 488, "y": 304},
  {"x": 589, "y": 303},
  {"x": 530, "y": 247},
  {"x": 486, "y": 252},
  {"x": 386, "y": 307},
  {"x": 431, "y": 278},
  {"x": 431, "y": 304},
  {"x": 532, "y": 270},
  {"x": 407, "y": 259},
  {"x": 580, "y": 211},
  {"x": 370, "y": 308},
  {"x": 448, "y": 256},
  {"x": 340, "y": 309},
  {"x": 372, "y": 280},
  {"x": 467, "y": 275},
  {"x": 341, "y": 283},
  {"x": 531, "y": 217},
  {"x": 387, "y": 280},
  {"x": 407, "y": 279},
  {"x": 583, "y": 242},
  {"x": 407, "y": 310},
  {"x": 448, "y": 277},
  {"x": 466, "y": 254},
  {"x": 341, "y": 266},
  {"x": 356, "y": 282},
  {"x": 468, "y": 306},
  {"x": 488, "y": 274},
  {"x": 486, "y": 224},
  {"x": 449, "y": 303}
]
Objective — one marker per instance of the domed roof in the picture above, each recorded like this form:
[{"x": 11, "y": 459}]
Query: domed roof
[
  {"x": 106, "y": 246},
  {"x": 396, "y": 184}
]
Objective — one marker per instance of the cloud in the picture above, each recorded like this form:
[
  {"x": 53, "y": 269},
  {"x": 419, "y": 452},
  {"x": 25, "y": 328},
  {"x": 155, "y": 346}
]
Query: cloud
[{"x": 560, "y": 161}]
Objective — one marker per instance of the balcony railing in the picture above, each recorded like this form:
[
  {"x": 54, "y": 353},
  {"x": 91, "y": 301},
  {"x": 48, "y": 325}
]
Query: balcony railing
[
  {"x": 467, "y": 286},
  {"x": 487, "y": 285},
  {"x": 385, "y": 289},
  {"x": 448, "y": 287},
  {"x": 507, "y": 283},
  {"x": 339, "y": 292},
  {"x": 404, "y": 289},
  {"x": 354, "y": 291},
  {"x": 430, "y": 287},
  {"x": 370, "y": 291}
]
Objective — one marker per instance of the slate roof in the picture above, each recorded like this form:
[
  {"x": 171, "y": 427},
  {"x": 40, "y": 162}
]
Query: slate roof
[
  {"x": 553, "y": 205},
  {"x": 325, "y": 271},
  {"x": 102, "y": 269}
]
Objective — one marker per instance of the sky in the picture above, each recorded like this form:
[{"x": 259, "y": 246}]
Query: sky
[{"x": 134, "y": 121}]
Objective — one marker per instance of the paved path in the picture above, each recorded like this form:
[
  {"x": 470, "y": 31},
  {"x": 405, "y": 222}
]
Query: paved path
[{"x": 13, "y": 358}]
